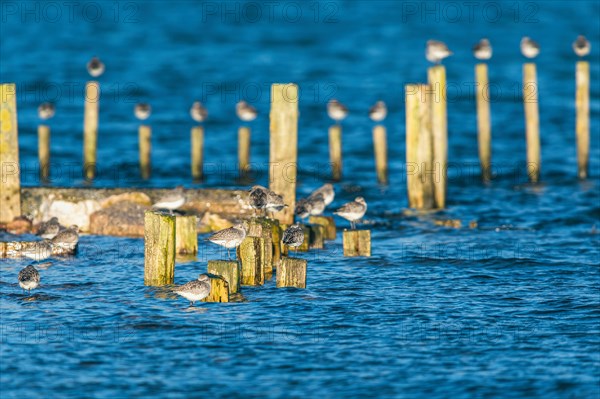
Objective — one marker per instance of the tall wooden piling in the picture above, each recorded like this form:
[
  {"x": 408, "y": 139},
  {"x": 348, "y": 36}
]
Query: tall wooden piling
[
  {"x": 230, "y": 270},
  {"x": 532, "y": 121},
  {"x": 283, "y": 152},
  {"x": 186, "y": 236},
  {"x": 90, "y": 128},
  {"x": 44, "y": 151},
  {"x": 357, "y": 242},
  {"x": 145, "y": 144},
  {"x": 244, "y": 149},
  {"x": 335, "y": 151},
  {"x": 251, "y": 253},
  {"x": 380, "y": 149},
  {"x": 484, "y": 125},
  {"x": 197, "y": 138},
  {"x": 292, "y": 273},
  {"x": 10, "y": 175},
  {"x": 419, "y": 149},
  {"x": 159, "y": 248},
  {"x": 263, "y": 228},
  {"x": 582, "y": 125},
  {"x": 439, "y": 129}
]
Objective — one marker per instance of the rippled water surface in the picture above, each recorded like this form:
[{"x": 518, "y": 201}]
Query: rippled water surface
[{"x": 508, "y": 309}]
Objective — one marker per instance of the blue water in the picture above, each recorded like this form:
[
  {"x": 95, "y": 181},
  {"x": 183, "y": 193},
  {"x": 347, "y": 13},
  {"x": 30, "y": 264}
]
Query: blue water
[{"x": 509, "y": 309}]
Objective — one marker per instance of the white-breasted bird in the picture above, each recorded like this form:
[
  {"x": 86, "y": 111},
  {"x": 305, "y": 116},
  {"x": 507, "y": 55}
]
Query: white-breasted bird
[
  {"x": 529, "y": 48},
  {"x": 436, "y": 51}
]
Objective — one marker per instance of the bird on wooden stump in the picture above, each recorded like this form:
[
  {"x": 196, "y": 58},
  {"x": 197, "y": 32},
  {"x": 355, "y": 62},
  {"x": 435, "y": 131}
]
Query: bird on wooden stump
[
  {"x": 436, "y": 51},
  {"x": 529, "y": 48},
  {"x": 293, "y": 236},
  {"x": 195, "y": 290},
  {"x": 353, "y": 211},
  {"x": 171, "y": 201},
  {"x": 229, "y": 238},
  {"x": 336, "y": 111}
]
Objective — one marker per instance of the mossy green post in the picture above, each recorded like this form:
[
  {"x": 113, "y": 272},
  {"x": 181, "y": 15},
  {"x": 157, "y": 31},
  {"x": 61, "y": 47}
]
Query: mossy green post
[
  {"x": 159, "y": 248},
  {"x": 230, "y": 270}
]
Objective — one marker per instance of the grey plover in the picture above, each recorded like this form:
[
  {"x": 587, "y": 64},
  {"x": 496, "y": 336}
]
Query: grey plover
[
  {"x": 142, "y": 111},
  {"x": 29, "y": 278},
  {"x": 293, "y": 236},
  {"x": 229, "y": 238},
  {"x": 67, "y": 239},
  {"x": 436, "y": 51},
  {"x": 303, "y": 208},
  {"x": 274, "y": 202},
  {"x": 38, "y": 251},
  {"x": 581, "y": 46},
  {"x": 317, "y": 204},
  {"x": 336, "y": 111},
  {"x": 171, "y": 200},
  {"x": 353, "y": 211},
  {"x": 245, "y": 111},
  {"x": 46, "y": 111},
  {"x": 95, "y": 67},
  {"x": 327, "y": 191},
  {"x": 483, "y": 50},
  {"x": 378, "y": 112},
  {"x": 257, "y": 198},
  {"x": 195, "y": 290},
  {"x": 198, "y": 112},
  {"x": 529, "y": 48},
  {"x": 49, "y": 229}
]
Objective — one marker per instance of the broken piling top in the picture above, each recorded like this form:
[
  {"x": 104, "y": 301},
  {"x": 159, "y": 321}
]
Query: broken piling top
[
  {"x": 283, "y": 153},
  {"x": 10, "y": 177}
]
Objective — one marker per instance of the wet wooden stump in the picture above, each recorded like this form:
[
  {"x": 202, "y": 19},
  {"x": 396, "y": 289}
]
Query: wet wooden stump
[
  {"x": 90, "y": 128},
  {"x": 10, "y": 178},
  {"x": 263, "y": 227},
  {"x": 186, "y": 237},
  {"x": 250, "y": 254},
  {"x": 328, "y": 223},
  {"x": 219, "y": 290},
  {"x": 357, "y": 242},
  {"x": 292, "y": 273},
  {"x": 159, "y": 248},
  {"x": 439, "y": 134},
  {"x": 317, "y": 236},
  {"x": 230, "y": 270},
  {"x": 484, "y": 125}
]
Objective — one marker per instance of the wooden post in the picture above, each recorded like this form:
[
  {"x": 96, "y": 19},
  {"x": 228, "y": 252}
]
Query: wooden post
[
  {"x": 10, "y": 175},
  {"x": 292, "y": 273},
  {"x": 244, "y": 149},
  {"x": 44, "y": 151},
  {"x": 357, "y": 242},
  {"x": 439, "y": 130},
  {"x": 159, "y": 248},
  {"x": 219, "y": 290},
  {"x": 419, "y": 149},
  {"x": 276, "y": 235},
  {"x": 197, "y": 152},
  {"x": 582, "y": 127},
  {"x": 317, "y": 236},
  {"x": 484, "y": 126},
  {"x": 263, "y": 228},
  {"x": 145, "y": 143},
  {"x": 532, "y": 121},
  {"x": 380, "y": 147},
  {"x": 328, "y": 223},
  {"x": 250, "y": 254},
  {"x": 90, "y": 128},
  {"x": 283, "y": 153},
  {"x": 229, "y": 270},
  {"x": 335, "y": 151},
  {"x": 186, "y": 236}
]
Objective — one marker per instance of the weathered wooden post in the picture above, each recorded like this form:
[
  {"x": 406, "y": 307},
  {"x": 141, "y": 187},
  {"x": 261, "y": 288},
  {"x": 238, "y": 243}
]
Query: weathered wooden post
[
  {"x": 145, "y": 144},
  {"x": 263, "y": 228},
  {"x": 439, "y": 130},
  {"x": 582, "y": 128},
  {"x": 219, "y": 290},
  {"x": 230, "y": 270},
  {"x": 10, "y": 176},
  {"x": 532, "y": 121},
  {"x": 244, "y": 149},
  {"x": 328, "y": 224},
  {"x": 197, "y": 152},
  {"x": 159, "y": 248},
  {"x": 186, "y": 236},
  {"x": 335, "y": 151},
  {"x": 419, "y": 149},
  {"x": 292, "y": 273},
  {"x": 90, "y": 128},
  {"x": 357, "y": 242},
  {"x": 380, "y": 148},
  {"x": 251, "y": 253},
  {"x": 44, "y": 151},
  {"x": 317, "y": 236},
  {"x": 484, "y": 126},
  {"x": 283, "y": 152}
]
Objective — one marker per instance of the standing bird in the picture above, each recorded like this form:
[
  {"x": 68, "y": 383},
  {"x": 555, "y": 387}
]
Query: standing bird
[
  {"x": 483, "y": 50},
  {"x": 257, "y": 198},
  {"x": 436, "y": 51},
  {"x": 317, "y": 204},
  {"x": 172, "y": 200},
  {"x": 293, "y": 236},
  {"x": 353, "y": 211},
  {"x": 142, "y": 111},
  {"x": 67, "y": 239},
  {"x": 49, "y": 229},
  {"x": 378, "y": 112},
  {"x": 303, "y": 208},
  {"x": 582, "y": 46},
  {"x": 29, "y": 278},
  {"x": 95, "y": 67},
  {"x": 245, "y": 111},
  {"x": 39, "y": 250},
  {"x": 274, "y": 202},
  {"x": 229, "y": 238},
  {"x": 529, "y": 48},
  {"x": 198, "y": 112},
  {"x": 195, "y": 290},
  {"x": 327, "y": 191},
  {"x": 46, "y": 111},
  {"x": 336, "y": 111}
]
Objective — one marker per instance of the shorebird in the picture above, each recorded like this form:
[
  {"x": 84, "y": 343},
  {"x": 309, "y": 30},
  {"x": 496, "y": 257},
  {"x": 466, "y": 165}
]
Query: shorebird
[
  {"x": 293, "y": 236},
  {"x": 67, "y": 238},
  {"x": 172, "y": 200},
  {"x": 317, "y": 204},
  {"x": 582, "y": 46},
  {"x": 195, "y": 290},
  {"x": 46, "y": 111},
  {"x": 336, "y": 111},
  {"x": 245, "y": 111},
  {"x": 327, "y": 191},
  {"x": 29, "y": 278},
  {"x": 142, "y": 111},
  {"x": 378, "y": 112},
  {"x": 38, "y": 250},
  {"x": 49, "y": 229},
  {"x": 353, "y": 211},
  {"x": 436, "y": 51},
  {"x": 258, "y": 198},
  {"x": 274, "y": 202},
  {"x": 229, "y": 238},
  {"x": 483, "y": 50},
  {"x": 198, "y": 112},
  {"x": 529, "y": 48},
  {"x": 95, "y": 67},
  {"x": 303, "y": 208}
]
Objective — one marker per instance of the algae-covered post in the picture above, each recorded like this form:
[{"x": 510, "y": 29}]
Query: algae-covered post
[
  {"x": 197, "y": 152},
  {"x": 251, "y": 255},
  {"x": 532, "y": 121},
  {"x": 484, "y": 128},
  {"x": 327, "y": 222},
  {"x": 145, "y": 147},
  {"x": 380, "y": 148},
  {"x": 291, "y": 273},
  {"x": 186, "y": 236},
  {"x": 90, "y": 128},
  {"x": 10, "y": 175},
  {"x": 357, "y": 242},
  {"x": 229, "y": 270},
  {"x": 219, "y": 290},
  {"x": 582, "y": 103},
  {"x": 283, "y": 151},
  {"x": 439, "y": 130},
  {"x": 335, "y": 151},
  {"x": 159, "y": 248},
  {"x": 244, "y": 149}
]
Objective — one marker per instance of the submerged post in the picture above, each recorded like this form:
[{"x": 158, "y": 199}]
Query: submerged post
[
  {"x": 283, "y": 152},
  {"x": 197, "y": 152},
  {"x": 244, "y": 149},
  {"x": 145, "y": 143},
  {"x": 582, "y": 126},
  {"x": 10, "y": 175},
  {"x": 44, "y": 151},
  {"x": 380, "y": 148},
  {"x": 439, "y": 129},
  {"x": 484, "y": 128},
  {"x": 90, "y": 129},
  {"x": 335, "y": 151},
  {"x": 159, "y": 248},
  {"x": 532, "y": 121}
]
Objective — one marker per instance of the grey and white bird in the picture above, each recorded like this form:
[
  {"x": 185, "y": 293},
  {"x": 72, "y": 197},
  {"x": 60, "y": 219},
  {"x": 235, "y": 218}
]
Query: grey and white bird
[
  {"x": 483, "y": 50},
  {"x": 245, "y": 111},
  {"x": 336, "y": 110},
  {"x": 49, "y": 229},
  {"x": 195, "y": 290},
  {"x": 46, "y": 111},
  {"x": 172, "y": 200},
  {"x": 529, "y": 48},
  {"x": 327, "y": 191},
  {"x": 317, "y": 204},
  {"x": 257, "y": 198},
  {"x": 229, "y": 238},
  {"x": 303, "y": 208},
  {"x": 353, "y": 211},
  {"x": 582, "y": 46},
  {"x": 142, "y": 111},
  {"x": 29, "y": 278},
  {"x": 293, "y": 236},
  {"x": 67, "y": 239},
  {"x": 274, "y": 202},
  {"x": 378, "y": 112},
  {"x": 436, "y": 51},
  {"x": 39, "y": 250},
  {"x": 198, "y": 112},
  {"x": 95, "y": 67}
]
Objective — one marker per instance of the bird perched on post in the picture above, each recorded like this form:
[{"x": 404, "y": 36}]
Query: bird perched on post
[
  {"x": 327, "y": 191},
  {"x": 67, "y": 239},
  {"x": 336, "y": 110},
  {"x": 293, "y": 236},
  {"x": 353, "y": 211},
  {"x": 198, "y": 112},
  {"x": 195, "y": 290},
  {"x": 95, "y": 67},
  {"x": 231, "y": 237},
  {"x": 29, "y": 278},
  {"x": 245, "y": 111},
  {"x": 378, "y": 112},
  {"x": 172, "y": 200},
  {"x": 142, "y": 111},
  {"x": 529, "y": 48},
  {"x": 483, "y": 50},
  {"x": 317, "y": 204},
  {"x": 273, "y": 202},
  {"x": 257, "y": 198},
  {"x": 581, "y": 46},
  {"x": 46, "y": 111},
  {"x": 436, "y": 51}
]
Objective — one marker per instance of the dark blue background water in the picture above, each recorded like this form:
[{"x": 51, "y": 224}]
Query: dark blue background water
[{"x": 509, "y": 309}]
